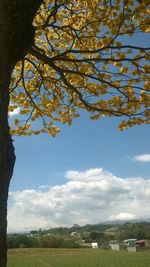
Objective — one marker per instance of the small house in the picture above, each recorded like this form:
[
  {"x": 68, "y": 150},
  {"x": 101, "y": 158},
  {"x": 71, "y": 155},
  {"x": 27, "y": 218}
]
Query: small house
[
  {"x": 95, "y": 245},
  {"x": 129, "y": 242},
  {"x": 140, "y": 245}
]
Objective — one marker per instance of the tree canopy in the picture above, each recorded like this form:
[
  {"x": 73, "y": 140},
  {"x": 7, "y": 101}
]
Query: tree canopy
[{"x": 85, "y": 57}]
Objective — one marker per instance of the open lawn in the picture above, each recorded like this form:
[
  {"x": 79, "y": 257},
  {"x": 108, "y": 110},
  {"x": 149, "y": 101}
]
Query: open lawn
[{"x": 76, "y": 258}]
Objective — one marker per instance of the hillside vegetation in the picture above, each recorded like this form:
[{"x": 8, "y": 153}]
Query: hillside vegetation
[{"x": 77, "y": 236}]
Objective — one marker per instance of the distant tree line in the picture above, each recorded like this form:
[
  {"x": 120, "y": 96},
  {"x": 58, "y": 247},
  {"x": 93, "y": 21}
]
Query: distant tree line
[{"x": 25, "y": 241}]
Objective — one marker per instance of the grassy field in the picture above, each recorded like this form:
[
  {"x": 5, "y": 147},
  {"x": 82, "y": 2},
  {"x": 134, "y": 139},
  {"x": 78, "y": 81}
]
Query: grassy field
[{"x": 76, "y": 258}]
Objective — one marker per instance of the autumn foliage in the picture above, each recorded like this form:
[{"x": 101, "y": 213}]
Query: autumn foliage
[{"x": 85, "y": 57}]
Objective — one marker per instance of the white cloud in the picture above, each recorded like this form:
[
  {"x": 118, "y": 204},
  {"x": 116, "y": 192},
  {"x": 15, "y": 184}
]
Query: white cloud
[
  {"x": 122, "y": 216},
  {"x": 92, "y": 196},
  {"x": 142, "y": 158},
  {"x": 15, "y": 112}
]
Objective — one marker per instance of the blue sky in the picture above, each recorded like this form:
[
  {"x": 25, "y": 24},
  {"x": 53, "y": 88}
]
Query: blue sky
[
  {"x": 84, "y": 145},
  {"x": 87, "y": 174}
]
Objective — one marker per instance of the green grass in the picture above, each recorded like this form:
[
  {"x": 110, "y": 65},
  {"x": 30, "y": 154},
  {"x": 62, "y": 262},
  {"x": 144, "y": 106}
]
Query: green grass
[{"x": 76, "y": 258}]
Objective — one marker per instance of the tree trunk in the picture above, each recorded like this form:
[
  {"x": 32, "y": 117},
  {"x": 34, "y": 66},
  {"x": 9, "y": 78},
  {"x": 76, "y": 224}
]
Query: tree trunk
[
  {"x": 7, "y": 158},
  {"x": 16, "y": 38}
]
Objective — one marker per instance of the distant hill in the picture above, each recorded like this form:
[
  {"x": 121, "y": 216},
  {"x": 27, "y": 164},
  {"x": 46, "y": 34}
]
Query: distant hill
[
  {"x": 79, "y": 236},
  {"x": 107, "y": 230}
]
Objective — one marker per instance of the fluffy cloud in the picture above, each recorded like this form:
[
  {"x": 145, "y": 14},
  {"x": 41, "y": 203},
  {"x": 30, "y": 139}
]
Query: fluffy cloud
[
  {"x": 122, "y": 216},
  {"x": 142, "y": 158},
  {"x": 15, "y": 112},
  {"x": 92, "y": 196}
]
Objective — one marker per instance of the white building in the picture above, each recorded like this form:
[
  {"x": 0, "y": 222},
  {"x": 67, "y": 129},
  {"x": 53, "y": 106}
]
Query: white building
[{"x": 94, "y": 245}]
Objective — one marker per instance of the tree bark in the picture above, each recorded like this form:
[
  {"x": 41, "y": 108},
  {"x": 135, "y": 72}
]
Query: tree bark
[
  {"x": 7, "y": 157},
  {"x": 16, "y": 38},
  {"x": 7, "y": 161}
]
